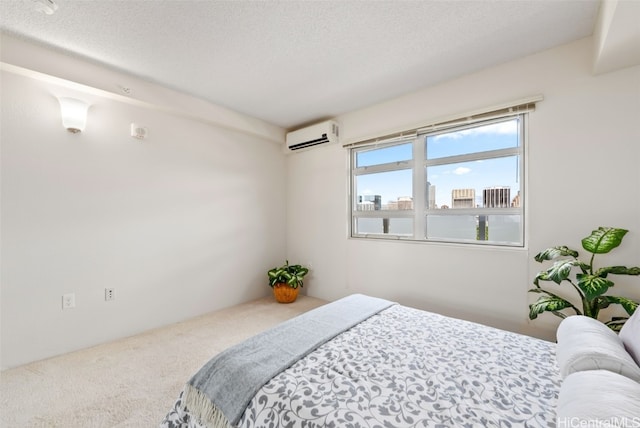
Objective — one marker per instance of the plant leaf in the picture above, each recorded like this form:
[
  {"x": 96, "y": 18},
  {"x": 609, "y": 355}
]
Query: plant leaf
[
  {"x": 602, "y": 303},
  {"x": 547, "y": 303},
  {"x": 617, "y": 270},
  {"x": 540, "y": 291},
  {"x": 555, "y": 252},
  {"x": 628, "y": 304},
  {"x": 274, "y": 273},
  {"x": 562, "y": 269},
  {"x": 616, "y": 323},
  {"x": 603, "y": 240},
  {"x": 593, "y": 286},
  {"x": 559, "y": 314},
  {"x": 541, "y": 276}
]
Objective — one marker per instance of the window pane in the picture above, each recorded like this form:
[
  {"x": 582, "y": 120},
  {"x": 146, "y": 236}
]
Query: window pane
[
  {"x": 384, "y": 191},
  {"x": 504, "y": 229},
  {"x": 491, "y": 183},
  {"x": 500, "y": 135},
  {"x": 458, "y": 227},
  {"x": 496, "y": 229},
  {"x": 397, "y": 153},
  {"x": 379, "y": 226}
]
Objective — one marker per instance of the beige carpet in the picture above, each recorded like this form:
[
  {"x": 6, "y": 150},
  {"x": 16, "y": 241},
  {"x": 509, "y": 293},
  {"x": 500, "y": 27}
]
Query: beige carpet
[{"x": 131, "y": 382}]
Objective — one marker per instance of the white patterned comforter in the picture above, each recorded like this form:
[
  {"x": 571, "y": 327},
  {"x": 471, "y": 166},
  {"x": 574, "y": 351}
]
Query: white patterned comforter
[{"x": 408, "y": 368}]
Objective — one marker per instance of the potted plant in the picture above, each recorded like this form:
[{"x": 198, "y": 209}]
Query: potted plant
[
  {"x": 590, "y": 283},
  {"x": 286, "y": 280}
]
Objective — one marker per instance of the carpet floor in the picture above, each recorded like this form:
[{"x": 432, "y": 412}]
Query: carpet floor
[{"x": 131, "y": 382}]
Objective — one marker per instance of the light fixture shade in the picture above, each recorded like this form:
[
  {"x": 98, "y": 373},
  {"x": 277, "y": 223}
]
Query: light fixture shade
[{"x": 74, "y": 114}]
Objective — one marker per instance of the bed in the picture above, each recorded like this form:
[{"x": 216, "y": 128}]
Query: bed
[{"x": 396, "y": 367}]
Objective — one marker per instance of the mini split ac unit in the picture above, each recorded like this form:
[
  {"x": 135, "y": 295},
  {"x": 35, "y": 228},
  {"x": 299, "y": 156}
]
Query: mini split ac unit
[{"x": 321, "y": 133}]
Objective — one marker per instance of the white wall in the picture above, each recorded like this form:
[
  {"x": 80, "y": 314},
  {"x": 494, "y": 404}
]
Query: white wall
[
  {"x": 183, "y": 223},
  {"x": 583, "y": 157}
]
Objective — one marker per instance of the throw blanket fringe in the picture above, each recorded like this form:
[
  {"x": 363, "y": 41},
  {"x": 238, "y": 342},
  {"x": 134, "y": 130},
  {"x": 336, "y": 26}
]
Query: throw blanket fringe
[
  {"x": 218, "y": 394},
  {"x": 207, "y": 411}
]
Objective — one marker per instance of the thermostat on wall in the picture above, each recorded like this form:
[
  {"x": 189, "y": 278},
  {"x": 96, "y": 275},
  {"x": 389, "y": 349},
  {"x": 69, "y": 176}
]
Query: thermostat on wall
[{"x": 139, "y": 132}]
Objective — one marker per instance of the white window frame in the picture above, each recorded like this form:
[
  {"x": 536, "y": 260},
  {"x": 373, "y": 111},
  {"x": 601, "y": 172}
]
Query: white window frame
[{"x": 419, "y": 168}]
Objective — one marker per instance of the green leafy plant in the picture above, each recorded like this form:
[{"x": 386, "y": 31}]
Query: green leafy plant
[
  {"x": 292, "y": 275},
  {"x": 590, "y": 283}
]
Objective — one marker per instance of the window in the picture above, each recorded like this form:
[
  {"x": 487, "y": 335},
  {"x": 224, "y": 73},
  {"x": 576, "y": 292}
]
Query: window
[{"x": 458, "y": 183}]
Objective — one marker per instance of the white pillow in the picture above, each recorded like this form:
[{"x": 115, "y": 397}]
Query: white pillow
[
  {"x": 598, "y": 398},
  {"x": 587, "y": 344},
  {"x": 630, "y": 336}
]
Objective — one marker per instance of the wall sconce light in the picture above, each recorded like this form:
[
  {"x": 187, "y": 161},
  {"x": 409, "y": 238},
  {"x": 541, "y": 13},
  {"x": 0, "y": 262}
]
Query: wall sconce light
[{"x": 74, "y": 114}]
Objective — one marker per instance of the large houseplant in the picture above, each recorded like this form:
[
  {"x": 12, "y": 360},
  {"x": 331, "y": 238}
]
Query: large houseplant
[
  {"x": 590, "y": 283},
  {"x": 285, "y": 281}
]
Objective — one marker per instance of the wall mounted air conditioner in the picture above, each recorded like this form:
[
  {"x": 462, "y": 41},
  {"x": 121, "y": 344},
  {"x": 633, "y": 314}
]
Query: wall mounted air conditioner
[{"x": 321, "y": 133}]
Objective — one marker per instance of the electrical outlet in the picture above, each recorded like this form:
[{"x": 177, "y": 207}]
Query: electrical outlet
[
  {"x": 68, "y": 301},
  {"x": 109, "y": 294}
]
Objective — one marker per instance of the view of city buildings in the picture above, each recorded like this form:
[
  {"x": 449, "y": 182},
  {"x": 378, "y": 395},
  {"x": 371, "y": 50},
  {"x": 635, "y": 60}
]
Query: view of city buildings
[
  {"x": 492, "y": 197},
  {"x": 369, "y": 203},
  {"x": 463, "y": 198}
]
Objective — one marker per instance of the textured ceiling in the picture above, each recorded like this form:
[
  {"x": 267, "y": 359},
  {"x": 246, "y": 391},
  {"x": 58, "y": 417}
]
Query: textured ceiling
[{"x": 293, "y": 62}]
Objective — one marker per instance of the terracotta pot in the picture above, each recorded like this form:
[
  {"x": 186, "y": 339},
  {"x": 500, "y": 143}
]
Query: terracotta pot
[{"x": 285, "y": 294}]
